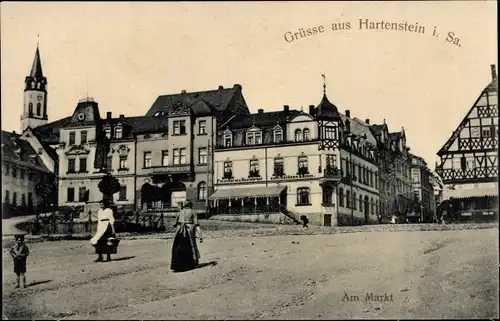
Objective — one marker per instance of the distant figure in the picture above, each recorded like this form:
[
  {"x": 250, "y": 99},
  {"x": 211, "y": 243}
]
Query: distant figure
[
  {"x": 185, "y": 254},
  {"x": 105, "y": 232},
  {"x": 305, "y": 221},
  {"x": 19, "y": 253}
]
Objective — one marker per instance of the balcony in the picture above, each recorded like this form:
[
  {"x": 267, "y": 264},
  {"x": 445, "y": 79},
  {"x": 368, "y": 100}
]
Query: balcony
[{"x": 331, "y": 174}]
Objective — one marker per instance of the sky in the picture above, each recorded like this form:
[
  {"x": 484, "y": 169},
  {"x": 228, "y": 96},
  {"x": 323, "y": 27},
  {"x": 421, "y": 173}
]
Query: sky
[{"x": 125, "y": 54}]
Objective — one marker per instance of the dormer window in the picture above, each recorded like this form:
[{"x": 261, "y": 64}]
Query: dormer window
[
  {"x": 298, "y": 135},
  {"x": 107, "y": 132},
  {"x": 306, "y": 134},
  {"x": 228, "y": 138},
  {"x": 254, "y": 137},
  {"x": 118, "y": 132},
  {"x": 278, "y": 135}
]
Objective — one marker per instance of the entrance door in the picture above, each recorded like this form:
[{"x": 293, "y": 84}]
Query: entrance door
[
  {"x": 327, "y": 219},
  {"x": 367, "y": 210}
]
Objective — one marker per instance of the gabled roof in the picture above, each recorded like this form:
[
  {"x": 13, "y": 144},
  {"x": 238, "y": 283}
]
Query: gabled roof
[
  {"x": 262, "y": 119},
  {"x": 396, "y": 136},
  {"x": 15, "y": 148},
  {"x": 218, "y": 100},
  {"x": 491, "y": 87}
]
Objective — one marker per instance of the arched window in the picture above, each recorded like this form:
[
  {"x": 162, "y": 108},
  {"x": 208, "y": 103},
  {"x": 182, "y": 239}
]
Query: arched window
[
  {"x": 372, "y": 205},
  {"x": 348, "y": 199},
  {"x": 303, "y": 197},
  {"x": 354, "y": 203},
  {"x": 278, "y": 135},
  {"x": 38, "y": 85},
  {"x": 361, "y": 203},
  {"x": 341, "y": 197},
  {"x": 228, "y": 138},
  {"x": 30, "y": 109},
  {"x": 202, "y": 191},
  {"x": 306, "y": 134},
  {"x": 38, "y": 109},
  {"x": 33, "y": 85},
  {"x": 298, "y": 135}
]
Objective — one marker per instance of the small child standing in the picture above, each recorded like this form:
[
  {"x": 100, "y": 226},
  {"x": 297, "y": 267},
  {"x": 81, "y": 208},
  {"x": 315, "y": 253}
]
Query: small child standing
[{"x": 19, "y": 253}]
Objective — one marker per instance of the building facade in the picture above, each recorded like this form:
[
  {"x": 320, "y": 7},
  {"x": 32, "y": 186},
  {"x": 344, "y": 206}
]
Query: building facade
[
  {"x": 28, "y": 186},
  {"x": 288, "y": 164},
  {"x": 424, "y": 206},
  {"x": 469, "y": 159}
]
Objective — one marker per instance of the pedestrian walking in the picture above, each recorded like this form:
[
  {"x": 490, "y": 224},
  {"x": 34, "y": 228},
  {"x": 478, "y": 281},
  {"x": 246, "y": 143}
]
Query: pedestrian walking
[
  {"x": 19, "y": 252},
  {"x": 104, "y": 240},
  {"x": 305, "y": 221},
  {"x": 185, "y": 253}
]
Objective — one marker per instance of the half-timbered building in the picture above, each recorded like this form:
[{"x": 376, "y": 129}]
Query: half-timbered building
[{"x": 469, "y": 159}]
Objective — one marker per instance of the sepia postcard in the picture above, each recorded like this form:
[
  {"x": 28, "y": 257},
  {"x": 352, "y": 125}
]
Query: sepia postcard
[{"x": 250, "y": 160}]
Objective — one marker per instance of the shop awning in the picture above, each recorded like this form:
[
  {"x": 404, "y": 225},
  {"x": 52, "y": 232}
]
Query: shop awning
[{"x": 261, "y": 191}]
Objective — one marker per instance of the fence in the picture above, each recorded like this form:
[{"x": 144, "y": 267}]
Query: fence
[{"x": 75, "y": 224}]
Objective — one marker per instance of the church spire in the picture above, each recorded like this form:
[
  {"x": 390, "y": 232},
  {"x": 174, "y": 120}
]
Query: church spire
[{"x": 36, "y": 68}]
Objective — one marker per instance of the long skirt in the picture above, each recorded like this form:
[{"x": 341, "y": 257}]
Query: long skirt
[
  {"x": 102, "y": 247},
  {"x": 185, "y": 254},
  {"x": 20, "y": 265}
]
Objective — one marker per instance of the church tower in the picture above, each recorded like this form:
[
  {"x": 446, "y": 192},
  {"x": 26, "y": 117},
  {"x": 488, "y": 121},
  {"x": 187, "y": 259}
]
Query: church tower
[{"x": 35, "y": 96}]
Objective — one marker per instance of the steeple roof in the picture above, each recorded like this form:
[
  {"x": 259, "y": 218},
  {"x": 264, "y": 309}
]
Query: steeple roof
[
  {"x": 327, "y": 109},
  {"x": 36, "y": 68}
]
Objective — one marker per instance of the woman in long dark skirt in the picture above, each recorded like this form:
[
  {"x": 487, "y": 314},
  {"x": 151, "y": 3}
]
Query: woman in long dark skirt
[
  {"x": 105, "y": 230},
  {"x": 185, "y": 254}
]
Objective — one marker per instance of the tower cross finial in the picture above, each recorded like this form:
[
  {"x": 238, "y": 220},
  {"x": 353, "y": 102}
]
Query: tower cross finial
[{"x": 324, "y": 83}]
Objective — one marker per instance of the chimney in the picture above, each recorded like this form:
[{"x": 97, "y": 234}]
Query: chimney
[
  {"x": 311, "y": 109},
  {"x": 261, "y": 111},
  {"x": 108, "y": 115},
  {"x": 286, "y": 108},
  {"x": 183, "y": 91},
  {"x": 367, "y": 121},
  {"x": 493, "y": 72},
  {"x": 221, "y": 87},
  {"x": 348, "y": 125},
  {"x": 237, "y": 86},
  {"x": 348, "y": 113},
  {"x": 122, "y": 116}
]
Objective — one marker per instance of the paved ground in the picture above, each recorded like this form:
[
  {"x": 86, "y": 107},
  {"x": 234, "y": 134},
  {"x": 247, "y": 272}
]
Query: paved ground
[{"x": 451, "y": 274}]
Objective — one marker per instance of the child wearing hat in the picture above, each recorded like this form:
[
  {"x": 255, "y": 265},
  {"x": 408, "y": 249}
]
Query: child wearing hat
[{"x": 19, "y": 253}]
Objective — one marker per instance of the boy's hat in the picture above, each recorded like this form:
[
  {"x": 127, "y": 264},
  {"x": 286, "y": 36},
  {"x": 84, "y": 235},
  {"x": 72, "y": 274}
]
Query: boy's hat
[{"x": 19, "y": 236}]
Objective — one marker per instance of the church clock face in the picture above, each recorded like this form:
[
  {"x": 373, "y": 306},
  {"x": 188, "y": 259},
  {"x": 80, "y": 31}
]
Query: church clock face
[{"x": 39, "y": 97}]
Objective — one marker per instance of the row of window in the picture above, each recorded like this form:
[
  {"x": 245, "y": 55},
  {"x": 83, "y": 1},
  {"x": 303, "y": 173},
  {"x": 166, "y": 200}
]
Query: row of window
[
  {"x": 72, "y": 137},
  {"x": 84, "y": 194},
  {"x": 361, "y": 174},
  {"x": 14, "y": 199},
  {"x": 38, "y": 109},
  {"x": 368, "y": 205},
  {"x": 14, "y": 171},
  {"x": 279, "y": 166},
  {"x": 179, "y": 157},
  {"x": 254, "y": 136}
]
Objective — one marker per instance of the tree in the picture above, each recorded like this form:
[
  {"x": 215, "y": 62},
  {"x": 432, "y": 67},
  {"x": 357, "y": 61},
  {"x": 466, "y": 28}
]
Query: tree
[
  {"x": 47, "y": 193},
  {"x": 108, "y": 186}
]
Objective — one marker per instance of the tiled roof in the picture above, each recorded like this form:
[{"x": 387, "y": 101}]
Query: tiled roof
[
  {"x": 377, "y": 129},
  {"x": 14, "y": 148},
  {"x": 360, "y": 128},
  {"x": 395, "y": 136},
  {"x": 141, "y": 124},
  {"x": 217, "y": 99},
  {"x": 262, "y": 119}
]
